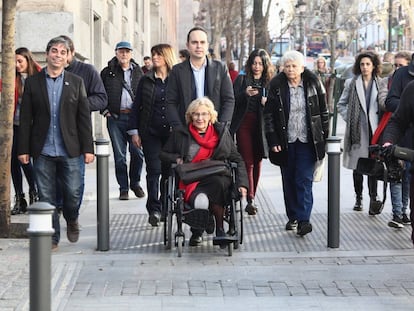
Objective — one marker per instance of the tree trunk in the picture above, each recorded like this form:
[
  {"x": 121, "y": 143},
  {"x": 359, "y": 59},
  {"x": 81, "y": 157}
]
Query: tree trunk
[
  {"x": 242, "y": 33},
  {"x": 261, "y": 23},
  {"x": 6, "y": 111}
]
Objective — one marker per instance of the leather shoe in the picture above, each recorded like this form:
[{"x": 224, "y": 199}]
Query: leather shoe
[
  {"x": 72, "y": 231},
  {"x": 154, "y": 219},
  {"x": 139, "y": 193},
  {"x": 375, "y": 207},
  {"x": 251, "y": 209},
  {"x": 123, "y": 195},
  {"x": 304, "y": 228},
  {"x": 291, "y": 225},
  {"x": 195, "y": 240},
  {"x": 54, "y": 246}
]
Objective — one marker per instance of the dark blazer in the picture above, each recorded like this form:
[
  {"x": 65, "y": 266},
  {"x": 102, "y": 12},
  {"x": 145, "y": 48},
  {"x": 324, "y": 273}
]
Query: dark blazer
[
  {"x": 181, "y": 91},
  {"x": 75, "y": 119}
]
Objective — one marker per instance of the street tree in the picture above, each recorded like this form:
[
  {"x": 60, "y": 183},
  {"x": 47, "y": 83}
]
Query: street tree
[{"x": 6, "y": 111}]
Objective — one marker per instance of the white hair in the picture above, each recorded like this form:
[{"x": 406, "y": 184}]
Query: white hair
[{"x": 293, "y": 56}]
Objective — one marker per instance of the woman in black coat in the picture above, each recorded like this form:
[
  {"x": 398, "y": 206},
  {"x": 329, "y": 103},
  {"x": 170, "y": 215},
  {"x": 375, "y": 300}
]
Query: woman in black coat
[
  {"x": 148, "y": 124},
  {"x": 296, "y": 127},
  {"x": 247, "y": 122}
]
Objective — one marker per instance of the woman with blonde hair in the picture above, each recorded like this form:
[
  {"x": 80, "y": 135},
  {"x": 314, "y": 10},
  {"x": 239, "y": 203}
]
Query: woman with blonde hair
[
  {"x": 148, "y": 124},
  {"x": 202, "y": 139}
]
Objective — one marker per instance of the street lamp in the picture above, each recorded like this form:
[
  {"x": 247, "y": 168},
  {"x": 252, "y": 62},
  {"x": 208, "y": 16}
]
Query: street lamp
[
  {"x": 282, "y": 17},
  {"x": 301, "y": 8}
]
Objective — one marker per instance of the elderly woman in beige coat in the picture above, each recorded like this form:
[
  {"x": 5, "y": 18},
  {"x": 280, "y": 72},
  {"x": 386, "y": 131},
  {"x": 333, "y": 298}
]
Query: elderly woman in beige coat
[{"x": 359, "y": 107}]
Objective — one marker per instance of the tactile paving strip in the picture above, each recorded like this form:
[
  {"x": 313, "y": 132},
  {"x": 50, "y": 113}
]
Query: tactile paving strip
[{"x": 265, "y": 232}]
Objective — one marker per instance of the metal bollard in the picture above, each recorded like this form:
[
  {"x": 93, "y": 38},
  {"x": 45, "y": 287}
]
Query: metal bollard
[
  {"x": 334, "y": 162},
  {"x": 40, "y": 232},
  {"x": 102, "y": 181}
]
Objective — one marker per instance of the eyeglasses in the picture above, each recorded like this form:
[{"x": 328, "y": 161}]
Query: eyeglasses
[
  {"x": 196, "y": 115},
  {"x": 398, "y": 65}
]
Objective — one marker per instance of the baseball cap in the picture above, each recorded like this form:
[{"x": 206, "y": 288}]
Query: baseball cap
[{"x": 123, "y": 45}]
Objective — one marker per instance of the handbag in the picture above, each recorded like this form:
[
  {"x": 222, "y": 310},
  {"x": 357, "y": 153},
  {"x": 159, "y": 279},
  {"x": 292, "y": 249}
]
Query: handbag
[
  {"x": 278, "y": 158},
  {"x": 319, "y": 169},
  {"x": 195, "y": 171}
]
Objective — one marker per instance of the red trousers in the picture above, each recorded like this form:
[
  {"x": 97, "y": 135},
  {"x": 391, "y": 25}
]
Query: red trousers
[{"x": 249, "y": 143}]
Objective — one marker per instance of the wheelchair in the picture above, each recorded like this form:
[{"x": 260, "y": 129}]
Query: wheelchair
[{"x": 176, "y": 213}]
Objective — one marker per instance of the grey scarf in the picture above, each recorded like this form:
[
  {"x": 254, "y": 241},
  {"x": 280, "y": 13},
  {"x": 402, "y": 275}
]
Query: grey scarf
[{"x": 354, "y": 115}]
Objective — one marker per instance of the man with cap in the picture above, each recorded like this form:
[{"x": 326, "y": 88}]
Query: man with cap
[{"x": 120, "y": 79}]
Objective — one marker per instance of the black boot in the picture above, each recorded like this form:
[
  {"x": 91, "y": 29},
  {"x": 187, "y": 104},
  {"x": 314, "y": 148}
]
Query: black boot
[
  {"x": 33, "y": 197},
  {"x": 375, "y": 206},
  {"x": 358, "y": 203},
  {"x": 20, "y": 205}
]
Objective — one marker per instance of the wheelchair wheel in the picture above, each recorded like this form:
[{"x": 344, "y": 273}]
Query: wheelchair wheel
[
  {"x": 230, "y": 248},
  {"x": 237, "y": 223},
  {"x": 169, "y": 213},
  {"x": 180, "y": 242}
]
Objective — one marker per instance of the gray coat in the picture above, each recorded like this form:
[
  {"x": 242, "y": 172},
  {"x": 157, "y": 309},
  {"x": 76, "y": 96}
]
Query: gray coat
[{"x": 353, "y": 153}]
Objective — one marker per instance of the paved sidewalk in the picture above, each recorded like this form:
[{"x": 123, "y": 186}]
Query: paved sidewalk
[{"x": 373, "y": 269}]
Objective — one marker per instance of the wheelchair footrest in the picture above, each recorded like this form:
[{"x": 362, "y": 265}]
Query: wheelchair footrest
[{"x": 224, "y": 240}]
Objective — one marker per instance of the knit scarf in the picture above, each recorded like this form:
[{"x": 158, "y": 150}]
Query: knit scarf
[
  {"x": 354, "y": 115},
  {"x": 207, "y": 144}
]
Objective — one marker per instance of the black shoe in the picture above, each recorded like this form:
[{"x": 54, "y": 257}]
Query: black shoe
[
  {"x": 251, "y": 209},
  {"x": 291, "y": 225},
  {"x": 375, "y": 207},
  {"x": 20, "y": 205},
  {"x": 154, "y": 219},
  {"x": 358, "y": 203},
  {"x": 396, "y": 222},
  {"x": 304, "y": 228},
  {"x": 33, "y": 196},
  {"x": 123, "y": 195},
  {"x": 210, "y": 224},
  {"x": 195, "y": 240},
  {"x": 139, "y": 193},
  {"x": 406, "y": 220}
]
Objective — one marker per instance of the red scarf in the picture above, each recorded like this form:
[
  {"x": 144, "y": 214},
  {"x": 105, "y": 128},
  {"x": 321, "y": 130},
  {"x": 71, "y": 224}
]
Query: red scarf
[{"x": 207, "y": 144}]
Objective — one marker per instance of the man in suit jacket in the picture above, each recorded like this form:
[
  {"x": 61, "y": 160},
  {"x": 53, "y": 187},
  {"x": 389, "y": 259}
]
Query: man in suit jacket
[
  {"x": 196, "y": 77},
  {"x": 56, "y": 130}
]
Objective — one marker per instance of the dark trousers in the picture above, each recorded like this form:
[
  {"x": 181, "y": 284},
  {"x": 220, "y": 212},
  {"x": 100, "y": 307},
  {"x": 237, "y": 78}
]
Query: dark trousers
[
  {"x": 358, "y": 181},
  {"x": 248, "y": 142},
  {"x": 17, "y": 166},
  {"x": 297, "y": 179},
  {"x": 152, "y": 146}
]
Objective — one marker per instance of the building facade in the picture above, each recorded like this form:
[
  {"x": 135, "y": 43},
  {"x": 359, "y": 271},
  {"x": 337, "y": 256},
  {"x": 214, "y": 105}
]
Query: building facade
[{"x": 95, "y": 27}]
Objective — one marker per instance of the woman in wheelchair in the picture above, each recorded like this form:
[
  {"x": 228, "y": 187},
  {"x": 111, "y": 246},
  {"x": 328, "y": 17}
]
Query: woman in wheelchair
[{"x": 204, "y": 138}]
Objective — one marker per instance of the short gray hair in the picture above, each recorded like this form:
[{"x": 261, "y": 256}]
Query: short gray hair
[{"x": 293, "y": 56}]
